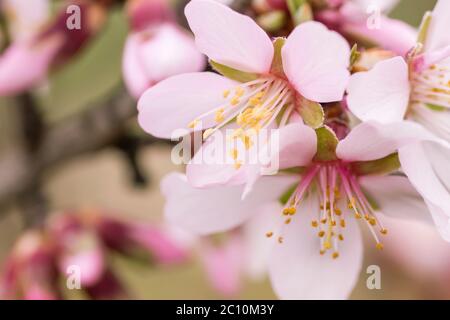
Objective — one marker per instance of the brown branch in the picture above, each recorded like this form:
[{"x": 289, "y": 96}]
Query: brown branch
[{"x": 98, "y": 127}]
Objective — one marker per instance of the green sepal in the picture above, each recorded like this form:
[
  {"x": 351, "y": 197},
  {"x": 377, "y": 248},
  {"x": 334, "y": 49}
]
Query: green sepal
[
  {"x": 233, "y": 74},
  {"x": 326, "y": 144},
  {"x": 311, "y": 112},
  {"x": 381, "y": 166},
  {"x": 277, "y": 62},
  {"x": 424, "y": 27},
  {"x": 435, "y": 107}
]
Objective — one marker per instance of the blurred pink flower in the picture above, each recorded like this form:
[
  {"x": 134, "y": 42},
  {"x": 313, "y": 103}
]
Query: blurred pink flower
[
  {"x": 204, "y": 100},
  {"x": 352, "y": 18},
  {"x": 156, "y": 48},
  {"x": 27, "y": 62},
  {"x": 326, "y": 186}
]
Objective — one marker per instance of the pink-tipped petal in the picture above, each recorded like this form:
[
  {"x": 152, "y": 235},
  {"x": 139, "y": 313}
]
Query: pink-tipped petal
[
  {"x": 228, "y": 37},
  {"x": 382, "y": 93},
  {"x": 175, "y": 102},
  {"x": 298, "y": 271},
  {"x": 372, "y": 140},
  {"x": 396, "y": 197},
  {"x": 216, "y": 209},
  {"x": 316, "y": 62},
  {"x": 438, "y": 35}
]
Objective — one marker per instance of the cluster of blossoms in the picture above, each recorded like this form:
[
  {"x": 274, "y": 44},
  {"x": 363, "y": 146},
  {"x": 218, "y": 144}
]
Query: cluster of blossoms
[{"x": 356, "y": 134}]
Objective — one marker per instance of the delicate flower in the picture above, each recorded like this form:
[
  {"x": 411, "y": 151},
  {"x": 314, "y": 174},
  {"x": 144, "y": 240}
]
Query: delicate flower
[
  {"x": 420, "y": 91},
  {"x": 27, "y": 62},
  {"x": 274, "y": 81},
  {"x": 156, "y": 48},
  {"x": 352, "y": 18},
  {"x": 344, "y": 181}
]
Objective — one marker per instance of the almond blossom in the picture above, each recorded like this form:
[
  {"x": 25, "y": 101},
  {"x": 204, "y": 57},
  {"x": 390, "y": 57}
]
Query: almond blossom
[
  {"x": 417, "y": 90},
  {"x": 263, "y": 79},
  {"x": 157, "y": 47},
  {"x": 340, "y": 183}
]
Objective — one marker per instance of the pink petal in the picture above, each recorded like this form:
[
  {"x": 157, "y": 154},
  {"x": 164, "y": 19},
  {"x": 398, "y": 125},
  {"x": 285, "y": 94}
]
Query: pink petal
[
  {"x": 426, "y": 173},
  {"x": 173, "y": 103},
  {"x": 216, "y": 209},
  {"x": 298, "y": 271},
  {"x": 382, "y": 93},
  {"x": 396, "y": 197},
  {"x": 228, "y": 37},
  {"x": 223, "y": 265},
  {"x": 438, "y": 35},
  {"x": 372, "y": 140},
  {"x": 297, "y": 145},
  {"x": 393, "y": 35},
  {"x": 319, "y": 75},
  {"x": 257, "y": 247},
  {"x": 24, "y": 64},
  {"x": 155, "y": 54}
]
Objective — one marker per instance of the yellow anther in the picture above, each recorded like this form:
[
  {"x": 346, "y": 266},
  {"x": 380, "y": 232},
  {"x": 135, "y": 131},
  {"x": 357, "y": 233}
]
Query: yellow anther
[
  {"x": 358, "y": 216},
  {"x": 234, "y": 153},
  {"x": 321, "y": 234},
  {"x": 341, "y": 237},
  {"x": 237, "y": 165},
  {"x": 335, "y": 255},
  {"x": 384, "y": 231},
  {"x": 288, "y": 221},
  {"x": 379, "y": 246},
  {"x": 327, "y": 245},
  {"x": 286, "y": 211},
  {"x": 269, "y": 234},
  {"x": 193, "y": 124},
  {"x": 342, "y": 223},
  {"x": 322, "y": 252},
  {"x": 372, "y": 221},
  {"x": 247, "y": 141},
  {"x": 219, "y": 115},
  {"x": 337, "y": 211},
  {"x": 226, "y": 93},
  {"x": 333, "y": 223},
  {"x": 314, "y": 224},
  {"x": 292, "y": 211},
  {"x": 323, "y": 221},
  {"x": 254, "y": 101},
  {"x": 235, "y": 101},
  {"x": 239, "y": 92}
]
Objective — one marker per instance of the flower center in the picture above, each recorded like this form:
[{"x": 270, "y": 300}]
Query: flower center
[
  {"x": 432, "y": 87},
  {"x": 333, "y": 186},
  {"x": 253, "y": 106}
]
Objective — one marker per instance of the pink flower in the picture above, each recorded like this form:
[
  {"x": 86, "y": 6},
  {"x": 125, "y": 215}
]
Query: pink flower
[
  {"x": 419, "y": 91},
  {"x": 340, "y": 184},
  {"x": 272, "y": 81},
  {"x": 28, "y": 61},
  {"x": 156, "y": 48},
  {"x": 353, "y": 18}
]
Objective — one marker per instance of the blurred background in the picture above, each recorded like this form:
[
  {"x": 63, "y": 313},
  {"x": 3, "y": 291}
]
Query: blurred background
[{"x": 115, "y": 168}]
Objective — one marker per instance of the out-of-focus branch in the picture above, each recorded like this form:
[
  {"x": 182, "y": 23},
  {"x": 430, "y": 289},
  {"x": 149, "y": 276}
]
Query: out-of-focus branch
[{"x": 101, "y": 126}]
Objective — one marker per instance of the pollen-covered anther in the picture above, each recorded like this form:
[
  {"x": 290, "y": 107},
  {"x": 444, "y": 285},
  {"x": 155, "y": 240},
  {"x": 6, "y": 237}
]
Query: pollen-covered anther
[
  {"x": 288, "y": 221},
  {"x": 219, "y": 116},
  {"x": 226, "y": 93},
  {"x": 384, "y": 231},
  {"x": 193, "y": 124},
  {"x": 341, "y": 237},
  {"x": 314, "y": 224},
  {"x": 335, "y": 255},
  {"x": 269, "y": 234},
  {"x": 321, "y": 234},
  {"x": 379, "y": 246}
]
